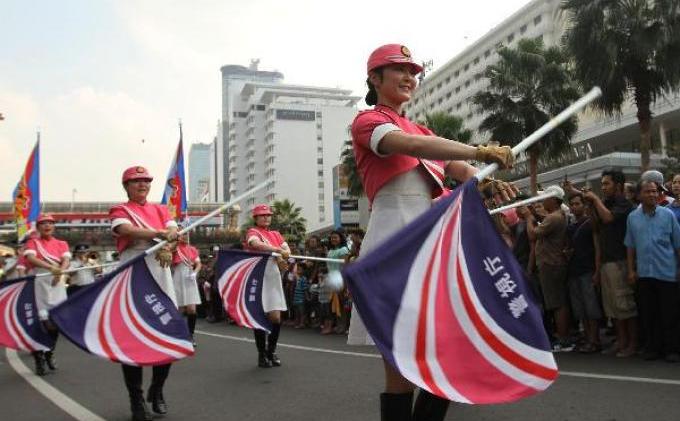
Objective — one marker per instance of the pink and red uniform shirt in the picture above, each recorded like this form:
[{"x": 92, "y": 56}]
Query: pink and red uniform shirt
[
  {"x": 185, "y": 254},
  {"x": 368, "y": 128},
  {"x": 273, "y": 238},
  {"x": 149, "y": 216},
  {"x": 51, "y": 251}
]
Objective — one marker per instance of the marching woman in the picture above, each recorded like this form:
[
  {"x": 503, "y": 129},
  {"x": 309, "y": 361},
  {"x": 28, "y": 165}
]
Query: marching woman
[
  {"x": 261, "y": 238},
  {"x": 186, "y": 264},
  {"x": 135, "y": 225},
  {"x": 47, "y": 255},
  {"x": 402, "y": 166}
]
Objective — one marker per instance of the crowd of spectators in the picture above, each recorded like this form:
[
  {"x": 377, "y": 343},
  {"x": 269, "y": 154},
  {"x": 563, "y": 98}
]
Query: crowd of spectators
[{"x": 605, "y": 264}]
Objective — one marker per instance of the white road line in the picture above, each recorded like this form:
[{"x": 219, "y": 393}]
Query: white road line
[
  {"x": 67, "y": 404},
  {"x": 303, "y": 348},
  {"x": 370, "y": 355},
  {"x": 620, "y": 378}
]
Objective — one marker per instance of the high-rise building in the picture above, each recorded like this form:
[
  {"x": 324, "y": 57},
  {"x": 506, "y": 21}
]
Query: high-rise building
[
  {"x": 199, "y": 172},
  {"x": 291, "y": 135},
  {"x": 600, "y": 142},
  {"x": 233, "y": 79}
]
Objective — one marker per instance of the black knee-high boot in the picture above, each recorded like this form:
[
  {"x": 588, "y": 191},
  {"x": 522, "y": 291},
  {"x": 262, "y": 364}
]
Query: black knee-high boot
[
  {"x": 261, "y": 343},
  {"x": 133, "y": 382},
  {"x": 191, "y": 322},
  {"x": 155, "y": 395},
  {"x": 49, "y": 355},
  {"x": 39, "y": 357},
  {"x": 396, "y": 406},
  {"x": 272, "y": 340},
  {"x": 430, "y": 407}
]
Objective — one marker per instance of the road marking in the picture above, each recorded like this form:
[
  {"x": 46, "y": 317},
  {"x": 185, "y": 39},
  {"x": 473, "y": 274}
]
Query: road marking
[
  {"x": 67, "y": 404},
  {"x": 620, "y": 378},
  {"x": 303, "y": 348},
  {"x": 370, "y": 355}
]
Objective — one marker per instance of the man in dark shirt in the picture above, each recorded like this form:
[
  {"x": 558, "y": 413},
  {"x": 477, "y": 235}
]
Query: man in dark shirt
[
  {"x": 618, "y": 295},
  {"x": 584, "y": 249}
]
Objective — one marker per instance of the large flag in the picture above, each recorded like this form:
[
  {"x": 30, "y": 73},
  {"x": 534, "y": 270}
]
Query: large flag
[
  {"x": 125, "y": 317},
  {"x": 175, "y": 192},
  {"x": 26, "y": 195},
  {"x": 20, "y": 328},
  {"x": 240, "y": 276},
  {"x": 448, "y": 306}
]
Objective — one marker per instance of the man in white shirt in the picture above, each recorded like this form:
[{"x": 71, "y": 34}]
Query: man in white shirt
[{"x": 82, "y": 277}]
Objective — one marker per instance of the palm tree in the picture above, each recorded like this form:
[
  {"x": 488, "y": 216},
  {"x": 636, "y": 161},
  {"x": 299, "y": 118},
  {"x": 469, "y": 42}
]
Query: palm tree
[
  {"x": 529, "y": 85},
  {"x": 349, "y": 167},
  {"x": 288, "y": 221},
  {"x": 627, "y": 47},
  {"x": 447, "y": 126}
]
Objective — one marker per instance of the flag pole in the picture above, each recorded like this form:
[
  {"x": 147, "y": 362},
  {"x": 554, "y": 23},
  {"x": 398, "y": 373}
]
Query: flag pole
[
  {"x": 69, "y": 271},
  {"x": 316, "y": 259},
  {"x": 552, "y": 191},
  {"x": 560, "y": 118},
  {"x": 217, "y": 211}
]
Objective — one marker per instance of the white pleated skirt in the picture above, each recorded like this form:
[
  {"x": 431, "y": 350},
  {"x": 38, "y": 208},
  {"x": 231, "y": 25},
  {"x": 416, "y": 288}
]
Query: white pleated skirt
[
  {"x": 161, "y": 275},
  {"x": 46, "y": 295},
  {"x": 273, "y": 297},
  {"x": 186, "y": 288},
  {"x": 399, "y": 202}
]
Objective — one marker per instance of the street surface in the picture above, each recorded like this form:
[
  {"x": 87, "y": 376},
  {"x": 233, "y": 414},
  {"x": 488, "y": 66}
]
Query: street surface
[{"x": 322, "y": 379}]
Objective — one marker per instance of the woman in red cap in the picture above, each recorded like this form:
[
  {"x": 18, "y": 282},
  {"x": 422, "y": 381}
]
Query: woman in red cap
[
  {"x": 261, "y": 238},
  {"x": 402, "y": 165},
  {"x": 135, "y": 224},
  {"x": 185, "y": 265},
  {"x": 47, "y": 255}
]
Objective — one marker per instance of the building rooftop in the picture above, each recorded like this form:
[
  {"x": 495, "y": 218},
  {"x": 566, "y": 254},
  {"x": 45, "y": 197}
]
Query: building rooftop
[{"x": 236, "y": 69}]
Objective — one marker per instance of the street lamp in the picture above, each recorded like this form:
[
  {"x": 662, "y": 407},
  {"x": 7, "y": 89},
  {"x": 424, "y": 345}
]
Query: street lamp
[{"x": 73, "y": 198}]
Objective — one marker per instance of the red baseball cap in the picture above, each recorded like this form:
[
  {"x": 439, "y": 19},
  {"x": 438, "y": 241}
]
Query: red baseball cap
[
  {"x": 136, "y": 173},
  {"x": 45, "y": 217},
  {"x": 392, "y": 54},
  {"x": 261, "y": 210}
]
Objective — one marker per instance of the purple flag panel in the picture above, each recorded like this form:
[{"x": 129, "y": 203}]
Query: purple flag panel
[
  {"x": 20, "y": 328},
  {"x": 240, "y": 276},
  {"x": 125, "y": 317},
  {"x": 448, "y": 306}
]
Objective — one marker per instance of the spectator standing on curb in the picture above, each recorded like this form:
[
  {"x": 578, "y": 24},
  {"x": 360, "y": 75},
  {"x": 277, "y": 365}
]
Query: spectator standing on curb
[
  {"x": 550, "y": 236},
  {"x": 584, "y": 273},
  {"x": 300, "y": 296},
  {"x": 337, "y": 250},
  {"x": 675, "y": 208},
  {"x": 675, "y": 188},
  {"x": 663, "y": 199},
  {"x": 653, "y": 247},
  {"x": 630, "y": 192},
  {"x": 618, "y": 296},
  {"x": 83, "y": 277}
]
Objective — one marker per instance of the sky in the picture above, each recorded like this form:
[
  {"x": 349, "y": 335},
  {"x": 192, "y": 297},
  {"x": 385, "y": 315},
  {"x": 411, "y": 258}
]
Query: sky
[{"x": 107, "y": 81}]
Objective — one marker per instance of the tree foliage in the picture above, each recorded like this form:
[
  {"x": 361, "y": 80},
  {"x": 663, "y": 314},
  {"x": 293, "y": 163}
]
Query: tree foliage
[
  {"x": 529, "y": 85},
  {"x": 630, "y": 48},
  {"x": 349, "y": 167},
  {"x": 447, "y": 126}
]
